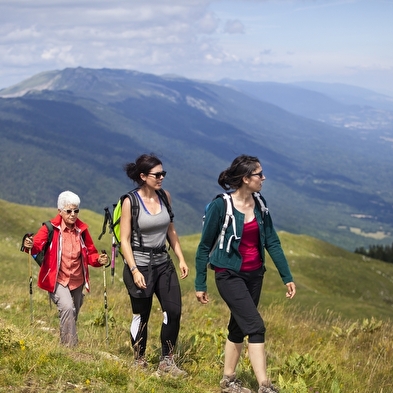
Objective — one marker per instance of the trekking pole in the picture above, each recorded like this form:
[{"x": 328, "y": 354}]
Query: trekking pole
[
  {"x": 105, "y": 301},
  {"x": 30, "y": 286},
  {"x": 114, "y": 245},
  {"x": 29, "y": 258},
  {"x": 108, "y": 222},
  {"x": 113, "y": 259}
]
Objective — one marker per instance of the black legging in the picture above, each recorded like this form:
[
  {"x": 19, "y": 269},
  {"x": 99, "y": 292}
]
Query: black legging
[{"x": 163, "y": 282}]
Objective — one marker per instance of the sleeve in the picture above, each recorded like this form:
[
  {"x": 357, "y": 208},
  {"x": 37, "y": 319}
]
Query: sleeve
[
  {"x": 274, "y": 248},
  {"x": 39, "y": 240},
  {"x": 92, "y": 253},
  {"x": 210, "y": 232}
]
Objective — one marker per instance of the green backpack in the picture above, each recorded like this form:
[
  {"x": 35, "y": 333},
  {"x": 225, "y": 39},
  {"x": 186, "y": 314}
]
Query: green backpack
[{"x": 113, "y": 220}]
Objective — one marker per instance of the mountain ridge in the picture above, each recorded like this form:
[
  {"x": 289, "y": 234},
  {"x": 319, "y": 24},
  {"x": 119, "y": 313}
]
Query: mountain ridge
[{"x": 101, "y": 119}]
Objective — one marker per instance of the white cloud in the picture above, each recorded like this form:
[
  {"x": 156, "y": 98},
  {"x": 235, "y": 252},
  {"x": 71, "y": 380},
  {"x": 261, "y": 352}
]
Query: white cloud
[
  {"x": 209, "y": 39},
  {"x": 234, "y": 27}
]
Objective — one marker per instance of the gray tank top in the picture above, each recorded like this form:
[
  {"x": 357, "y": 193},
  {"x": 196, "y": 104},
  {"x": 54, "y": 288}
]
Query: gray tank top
[{"x": 153, "y": 229}]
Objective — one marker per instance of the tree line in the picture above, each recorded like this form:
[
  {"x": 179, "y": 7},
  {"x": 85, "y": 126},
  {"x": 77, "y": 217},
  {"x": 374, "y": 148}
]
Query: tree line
[{"x": 383, "y": 253}]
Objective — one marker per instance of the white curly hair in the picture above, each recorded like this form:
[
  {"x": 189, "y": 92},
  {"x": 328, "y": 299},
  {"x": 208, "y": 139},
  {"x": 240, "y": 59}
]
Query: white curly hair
[{"x": 67, "y": 198}]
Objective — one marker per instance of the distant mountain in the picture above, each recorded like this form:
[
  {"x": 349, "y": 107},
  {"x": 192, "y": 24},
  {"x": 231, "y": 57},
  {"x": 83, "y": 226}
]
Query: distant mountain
[
  {"x": 335, "y": 104},
  {"x": 350, "y": 95},
  {"x": 76, "y": 128}
]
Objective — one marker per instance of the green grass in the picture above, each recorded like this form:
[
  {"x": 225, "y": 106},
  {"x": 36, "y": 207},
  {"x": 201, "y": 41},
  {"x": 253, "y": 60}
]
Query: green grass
[{"x": 335, "y": 336}]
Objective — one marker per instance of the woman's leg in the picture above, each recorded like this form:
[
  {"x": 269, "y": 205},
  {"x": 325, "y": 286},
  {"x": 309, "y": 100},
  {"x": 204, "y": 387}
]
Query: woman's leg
[
  {"x": 232, "y": 355},
  {"x": 256, "y": 345},
  {"x": 77, "y": 297},
  {"x": 63, "y": 299},
  {"x": 169, "y": 295},
  {"x": 141, "y": 309},
  {"x": 241, "y": 292},
  {"x": 257, "y": 355}
]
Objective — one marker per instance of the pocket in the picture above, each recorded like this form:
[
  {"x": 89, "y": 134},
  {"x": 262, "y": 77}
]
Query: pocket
[
  {"x": 46, "y": 275},
  {"x": 134, "y": 290},
  {"x": 55, "y": 298}
]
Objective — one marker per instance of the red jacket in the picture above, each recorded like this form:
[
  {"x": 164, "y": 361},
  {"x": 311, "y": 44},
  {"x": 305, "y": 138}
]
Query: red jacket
[{"x": 49, "y": 270}]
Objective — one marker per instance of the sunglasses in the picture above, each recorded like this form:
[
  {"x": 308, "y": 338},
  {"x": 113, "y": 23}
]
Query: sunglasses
[
  {"x": 158, "y": 175},
  {"x": 69, "y": 211},
  {"x": 259, "y": 174}
]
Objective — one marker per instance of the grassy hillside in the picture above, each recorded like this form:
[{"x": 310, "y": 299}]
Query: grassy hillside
[{"x": 335, "y": 336}]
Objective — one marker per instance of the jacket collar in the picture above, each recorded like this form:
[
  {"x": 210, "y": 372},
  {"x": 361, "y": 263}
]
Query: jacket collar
[{"x": 56, "y": 221}]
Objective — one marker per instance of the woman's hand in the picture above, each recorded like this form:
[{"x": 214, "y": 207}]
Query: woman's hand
[
  {"x": 291, "y": 290},
  {"x": 103, "y": 259},
  {"x": 139, "y": 279},
  {"x": 28, "y": 243},
  {"x": 202, "y": 297},
  {"x": 183, "y": 269}
]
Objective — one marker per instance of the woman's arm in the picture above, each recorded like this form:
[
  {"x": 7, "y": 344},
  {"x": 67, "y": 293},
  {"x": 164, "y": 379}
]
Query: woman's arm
[
  {"x": 210, "y": 231},
  {"x": 93, "y": 257},
  {"x": 175, "y": 244},
  {"x": 125, "y": 241}
]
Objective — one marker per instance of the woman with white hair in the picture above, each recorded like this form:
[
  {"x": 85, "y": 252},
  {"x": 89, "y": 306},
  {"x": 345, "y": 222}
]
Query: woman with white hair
[{"x": 64, "y": 270}]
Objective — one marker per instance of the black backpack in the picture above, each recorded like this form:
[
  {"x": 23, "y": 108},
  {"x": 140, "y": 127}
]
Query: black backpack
[{"x": 39, "y": 258}]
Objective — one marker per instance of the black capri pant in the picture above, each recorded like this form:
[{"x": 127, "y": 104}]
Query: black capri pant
[{"x": 241, "y": 292}]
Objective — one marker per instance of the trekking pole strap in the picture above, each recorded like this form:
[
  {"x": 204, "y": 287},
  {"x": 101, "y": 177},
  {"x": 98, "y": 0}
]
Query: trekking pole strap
[{"x": 107, "y": 219}]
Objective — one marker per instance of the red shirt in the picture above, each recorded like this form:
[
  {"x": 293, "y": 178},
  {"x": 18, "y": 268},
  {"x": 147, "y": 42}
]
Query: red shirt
[{"x": 248, "y": 247}]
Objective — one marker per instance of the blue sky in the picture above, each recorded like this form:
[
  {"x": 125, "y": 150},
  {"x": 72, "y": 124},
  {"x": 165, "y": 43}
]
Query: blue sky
[{"x": 337, "y": 41}]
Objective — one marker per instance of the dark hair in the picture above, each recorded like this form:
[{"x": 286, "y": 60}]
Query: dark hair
[
  {"x": 143, "y": 164},
  {"x": 242, "y": 166}
]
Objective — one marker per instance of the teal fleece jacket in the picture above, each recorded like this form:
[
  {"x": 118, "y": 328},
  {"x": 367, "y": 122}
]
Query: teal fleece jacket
[{"x": 214, "y": 220}]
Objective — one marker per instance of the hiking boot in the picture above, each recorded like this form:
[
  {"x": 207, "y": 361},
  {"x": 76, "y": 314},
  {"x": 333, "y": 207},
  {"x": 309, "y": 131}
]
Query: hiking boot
[
  {"x": 229, "y": 384},
  {"x": 268, "y": 389},
  {"x": 141, "y": 363},
  {"x": 167, "y": 367}
]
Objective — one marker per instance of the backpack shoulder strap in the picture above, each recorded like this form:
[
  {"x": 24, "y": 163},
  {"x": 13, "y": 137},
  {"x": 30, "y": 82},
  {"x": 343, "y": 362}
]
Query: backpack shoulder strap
[
  {"x": 135, "y": 206},
  {"x": 134, "y": 202},
  {"x": 49, "y": 225},
  {"x": 164, "y": 197},
  {"x": 39, "y": 258},
  {"x": 260, "y": 200},
  {"x": 162, "y": 194},
  {"x": 229, "y": 219},
  {"x": 228, "y": 216}
]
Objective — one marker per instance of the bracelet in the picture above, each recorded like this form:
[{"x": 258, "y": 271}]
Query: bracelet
[{"x": 133, "y": 268}]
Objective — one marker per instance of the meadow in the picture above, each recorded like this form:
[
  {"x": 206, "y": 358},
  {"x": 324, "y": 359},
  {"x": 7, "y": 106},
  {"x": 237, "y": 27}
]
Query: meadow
[{"x": 335, "y": 336}]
